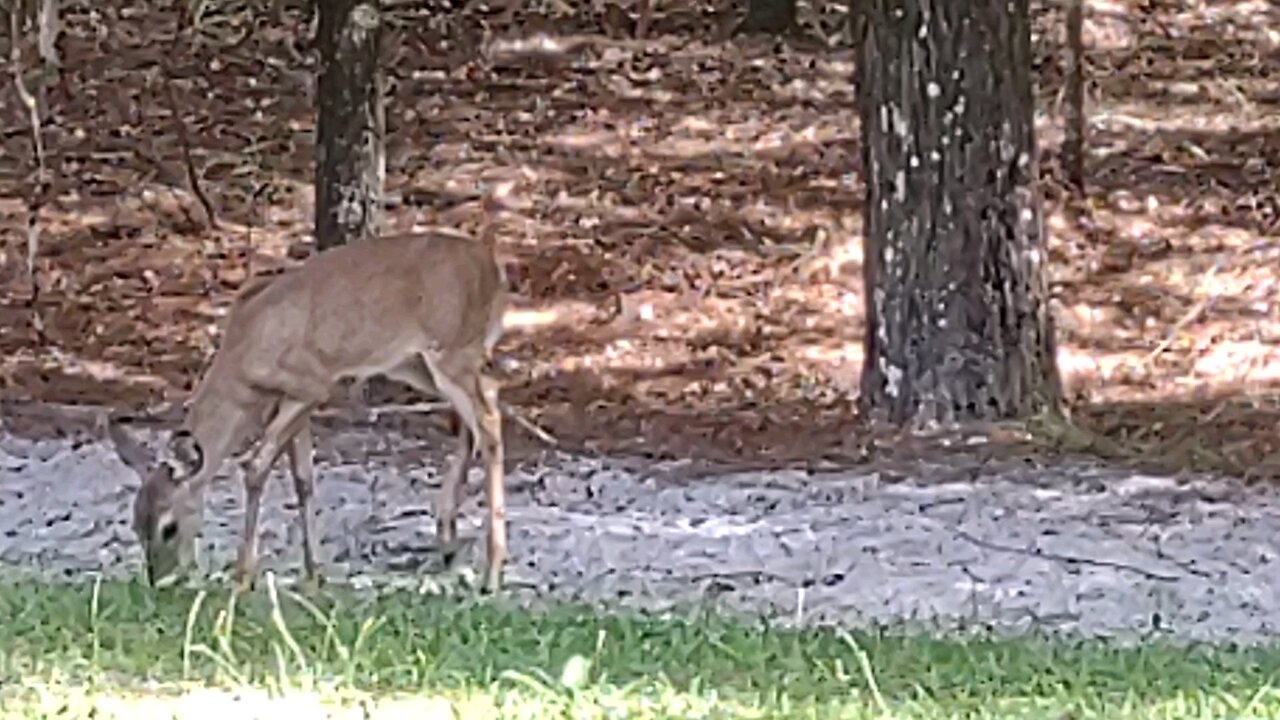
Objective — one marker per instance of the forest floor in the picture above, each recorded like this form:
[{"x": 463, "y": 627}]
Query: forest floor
[{"x": 688, "y": 270}]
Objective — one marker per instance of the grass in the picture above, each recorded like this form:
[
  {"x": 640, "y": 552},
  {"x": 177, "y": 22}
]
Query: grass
[{"x": 119, "y": 649}]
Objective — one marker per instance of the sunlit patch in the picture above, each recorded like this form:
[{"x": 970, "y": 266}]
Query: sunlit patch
[
  {"x": 1240, "y": 361},
  {"x": 694, "y": 206},
  {"x": 523, "y": 319}
]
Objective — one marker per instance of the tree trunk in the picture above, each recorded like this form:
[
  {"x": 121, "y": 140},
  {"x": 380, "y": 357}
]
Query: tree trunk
[
  {"x": 958, "y": 323},
  {"x": 1074, "y": 138},
  {"x": 772, "y": 17},
  {"x": 350, "y": 129}
]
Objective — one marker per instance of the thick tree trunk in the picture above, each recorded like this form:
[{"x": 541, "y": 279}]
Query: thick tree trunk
[
  {"x": 958, "y": 323},
  {"x": 350, "y": 160}
]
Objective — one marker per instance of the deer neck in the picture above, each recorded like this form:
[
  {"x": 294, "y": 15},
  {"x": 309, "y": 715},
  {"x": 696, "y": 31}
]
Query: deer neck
[{"x": 220, "y": 423}]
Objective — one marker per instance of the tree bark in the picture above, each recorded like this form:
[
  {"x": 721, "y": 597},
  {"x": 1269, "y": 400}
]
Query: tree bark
[
  {"x": 47, "y": 36},
  {"x": 1074, "y": 136},
  {"x": 958, "y": 323},
  {"x": 350, "y": 128},
  {"x": 772, "y": 17}
]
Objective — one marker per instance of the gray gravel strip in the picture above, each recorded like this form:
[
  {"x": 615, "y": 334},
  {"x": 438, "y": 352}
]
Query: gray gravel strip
[{"x": 1077, "y": 547}]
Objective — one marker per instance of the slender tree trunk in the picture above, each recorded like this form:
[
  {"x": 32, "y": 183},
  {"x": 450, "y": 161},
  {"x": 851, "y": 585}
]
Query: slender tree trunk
[
  {"x": 48, "y": 25},
  {"x": 772, "y": 17},
  {"x": 958, "y": 323},
  {"x": 1074, "y": 137},
  {"x": 350, "y": 130}
]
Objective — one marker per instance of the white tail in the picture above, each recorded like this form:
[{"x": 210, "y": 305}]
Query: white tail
[{"x": 422, "y": 309}]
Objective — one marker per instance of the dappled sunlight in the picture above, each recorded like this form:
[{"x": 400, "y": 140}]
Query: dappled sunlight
[
  {"x": 1242, "y": 13},
  {"x": 701, "y": 138},
  {"x": 1239, "y": 362},
  {"x": 1110, "y": 24},
  {"x": 688, "y": 249},
  {"x": 1237, "y": 108},
  {"x": 77, "y": 378},
  {"x": 1084, "y": 368},
  {"x": 559, "y": 315},
  {"x": 1167, "y": 307},
  {"x": 1188, "y": 16}
]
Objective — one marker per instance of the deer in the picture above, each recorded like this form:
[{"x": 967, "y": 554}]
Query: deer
[{"x": 425, "y": 309}]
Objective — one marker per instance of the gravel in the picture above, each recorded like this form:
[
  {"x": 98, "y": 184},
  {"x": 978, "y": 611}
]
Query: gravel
[{"x": 1076, "y": 547}]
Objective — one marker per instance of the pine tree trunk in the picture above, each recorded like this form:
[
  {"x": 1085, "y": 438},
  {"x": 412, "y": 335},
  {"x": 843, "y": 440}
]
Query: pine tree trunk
[
  {"x": 958, "y": 323},
  {"x": 350, "y": 130}
]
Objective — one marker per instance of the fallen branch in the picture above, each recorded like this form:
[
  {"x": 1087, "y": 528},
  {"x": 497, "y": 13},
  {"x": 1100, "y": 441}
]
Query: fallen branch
[
  {"x": 423, "y": 408},
  {"x": 378, "y": 411},
  {"x": 534, "y": 429},
  {"x": 1059, "y": 557}
]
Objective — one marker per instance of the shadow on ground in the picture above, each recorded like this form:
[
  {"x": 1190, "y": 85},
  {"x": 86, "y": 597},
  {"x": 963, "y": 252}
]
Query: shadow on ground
[{"x": 693, "y": 249}]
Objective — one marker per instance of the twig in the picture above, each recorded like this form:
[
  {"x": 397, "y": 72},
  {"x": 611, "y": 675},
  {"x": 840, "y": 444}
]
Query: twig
[
  {"x": 1185, "y": 566},
  {"x": 1059, "y": 557},
  {"x": 193, "y": 178},
  {"x": 528, "y": 424},
  {"x": 376, "y": 412},
  {"x": 424, "y": 408},
  {"x": 1186, "y": 319},
  {"x": 36, "y": 202}
]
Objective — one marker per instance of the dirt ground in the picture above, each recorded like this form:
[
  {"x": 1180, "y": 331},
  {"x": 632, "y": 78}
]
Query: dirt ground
[
  {"x": 688, "y": 272},
  {"x": 1082, "y": 548}
]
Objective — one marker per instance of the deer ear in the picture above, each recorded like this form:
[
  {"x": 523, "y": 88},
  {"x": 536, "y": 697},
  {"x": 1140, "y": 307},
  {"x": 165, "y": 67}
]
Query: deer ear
[
  {"x": 187, "y": 452},
  {"x": 130, "y": 451}
]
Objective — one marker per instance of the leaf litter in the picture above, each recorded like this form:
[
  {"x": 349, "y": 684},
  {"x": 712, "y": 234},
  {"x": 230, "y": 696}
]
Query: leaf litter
[{"x": 688, "y": 268}]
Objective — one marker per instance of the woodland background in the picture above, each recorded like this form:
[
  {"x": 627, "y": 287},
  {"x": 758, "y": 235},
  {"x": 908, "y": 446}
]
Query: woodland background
[{"x": 688, "y": 267}]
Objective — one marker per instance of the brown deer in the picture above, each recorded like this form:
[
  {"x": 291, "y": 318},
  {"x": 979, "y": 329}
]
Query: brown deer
[{"x": 423, "y": 309}]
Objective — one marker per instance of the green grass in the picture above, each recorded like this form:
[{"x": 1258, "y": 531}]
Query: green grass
[{"x": 122, "y": 650}]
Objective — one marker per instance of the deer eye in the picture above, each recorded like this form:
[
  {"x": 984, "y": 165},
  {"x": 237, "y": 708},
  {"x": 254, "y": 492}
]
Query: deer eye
[{"x": 168, "y": 531}]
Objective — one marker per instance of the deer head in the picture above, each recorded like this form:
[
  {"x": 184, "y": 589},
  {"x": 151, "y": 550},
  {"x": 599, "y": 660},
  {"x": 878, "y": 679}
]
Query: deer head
[{"x": 168, "y": 509}]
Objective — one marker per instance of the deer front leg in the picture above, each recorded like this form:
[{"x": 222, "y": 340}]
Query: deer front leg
[{"x": 280, "y": 431}]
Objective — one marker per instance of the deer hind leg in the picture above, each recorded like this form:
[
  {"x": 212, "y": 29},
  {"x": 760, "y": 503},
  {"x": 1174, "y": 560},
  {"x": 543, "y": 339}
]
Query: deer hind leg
[
  {"x": 416, "y": 374},
  {"x": 461, "y": 379},
  {"x": 301, "y": 451},
  {"x": 280, "y": 431},
  {"x": 452, "y": 491}
]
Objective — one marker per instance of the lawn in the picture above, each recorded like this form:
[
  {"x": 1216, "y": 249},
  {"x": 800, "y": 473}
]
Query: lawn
[{"x": 119, "y": 649}]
